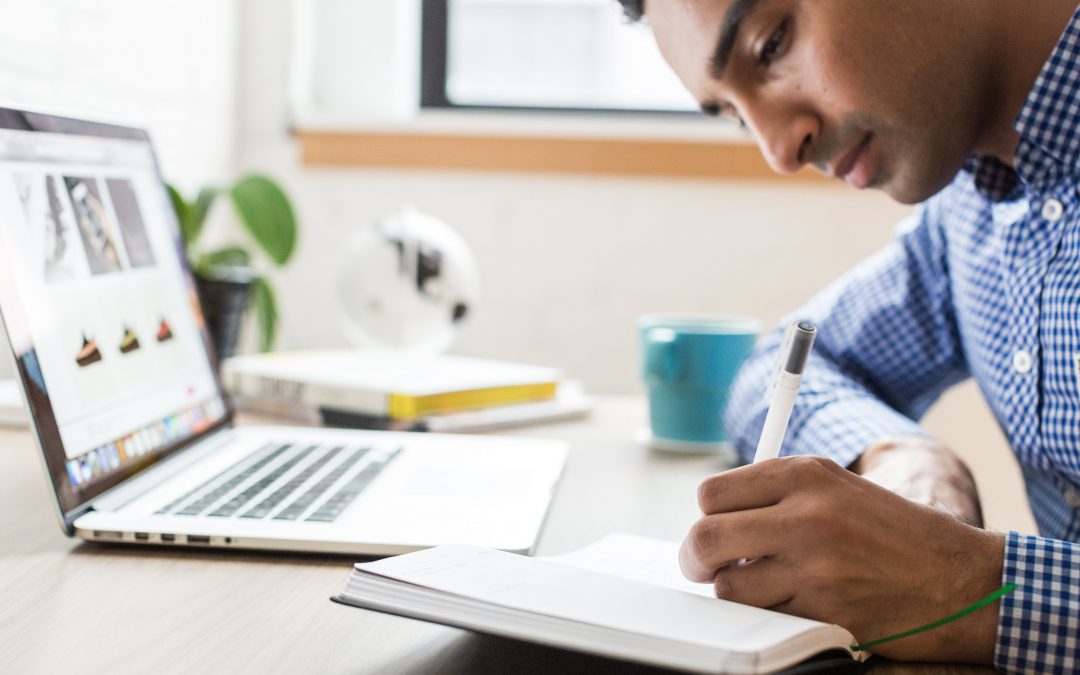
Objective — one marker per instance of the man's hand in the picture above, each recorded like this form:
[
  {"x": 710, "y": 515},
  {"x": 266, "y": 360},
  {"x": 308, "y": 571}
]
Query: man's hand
[{"x": 827, "y": 544}]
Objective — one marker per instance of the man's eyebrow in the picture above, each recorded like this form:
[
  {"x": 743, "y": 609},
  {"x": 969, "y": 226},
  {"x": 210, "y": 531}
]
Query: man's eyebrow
[{"x": 729, "y": 33}]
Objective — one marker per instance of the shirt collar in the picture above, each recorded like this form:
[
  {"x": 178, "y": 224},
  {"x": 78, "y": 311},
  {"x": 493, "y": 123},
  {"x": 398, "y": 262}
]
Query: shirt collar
[{"x": 1048, "y": 124}]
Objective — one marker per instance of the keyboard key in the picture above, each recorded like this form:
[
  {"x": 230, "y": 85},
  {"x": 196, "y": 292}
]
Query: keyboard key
[
  {"x": 336, "y": 505},
  {"x": 263, "y": 508},
  {"x": 202, "y": 486},
  {"x": 269, "y": 453},
  {"x": 237, "y": 502},
  {"x": 304, "y": 501}
]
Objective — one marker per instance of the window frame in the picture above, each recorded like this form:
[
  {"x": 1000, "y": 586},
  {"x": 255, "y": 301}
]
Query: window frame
[{"x": 434, "y": 46}]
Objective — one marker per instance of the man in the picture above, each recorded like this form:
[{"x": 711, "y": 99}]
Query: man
[{"x": 971, "y": 107}]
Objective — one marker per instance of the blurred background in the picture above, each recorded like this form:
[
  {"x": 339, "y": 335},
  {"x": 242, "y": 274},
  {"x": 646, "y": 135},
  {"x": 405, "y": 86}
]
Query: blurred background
[{"x": 547, "y": 132}]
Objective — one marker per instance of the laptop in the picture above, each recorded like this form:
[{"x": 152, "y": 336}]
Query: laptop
[{"x": 133, "y": 425}]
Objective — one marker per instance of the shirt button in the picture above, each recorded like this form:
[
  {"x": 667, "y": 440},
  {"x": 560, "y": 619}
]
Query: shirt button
[
  {"x": 1052, "y": 210},
  {"x": 1022, "y": 361},
  {"x": 1072, "y": 498}
]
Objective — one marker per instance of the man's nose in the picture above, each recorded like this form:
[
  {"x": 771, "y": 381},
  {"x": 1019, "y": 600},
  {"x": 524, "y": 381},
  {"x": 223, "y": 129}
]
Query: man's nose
[{"x": 786, "y": 141}]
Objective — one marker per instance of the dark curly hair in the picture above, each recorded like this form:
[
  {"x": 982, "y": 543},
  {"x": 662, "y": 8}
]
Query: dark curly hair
[{"x": 633, "y": 9}]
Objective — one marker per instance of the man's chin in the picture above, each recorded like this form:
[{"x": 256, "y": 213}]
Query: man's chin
[
  {"x": 913, "y": 192},
  {"x": 906, "y": 196},
  {"x": 914, "y": 188}
]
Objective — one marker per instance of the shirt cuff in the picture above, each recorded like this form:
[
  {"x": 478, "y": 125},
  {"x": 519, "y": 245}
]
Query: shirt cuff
[
  {"x": 843, "y": 429},
  {"x": 1039, "y": 622}
]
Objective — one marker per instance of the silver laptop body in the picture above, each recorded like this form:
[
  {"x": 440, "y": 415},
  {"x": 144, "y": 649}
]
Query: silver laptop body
[{"x": 135, "y": 431}]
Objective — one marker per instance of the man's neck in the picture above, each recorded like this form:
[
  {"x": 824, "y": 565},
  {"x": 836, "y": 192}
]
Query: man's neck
[{"x": 1026, "y": 34}]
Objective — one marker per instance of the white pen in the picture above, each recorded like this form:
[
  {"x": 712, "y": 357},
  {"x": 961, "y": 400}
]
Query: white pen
[{"x": 791, "y": 361}]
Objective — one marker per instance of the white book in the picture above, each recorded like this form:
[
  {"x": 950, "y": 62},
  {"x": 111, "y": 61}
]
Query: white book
[
  {"x": 621, "y": 597},
  {"x": 570, "y": 402},
  {"x": 397, "y": 384}
]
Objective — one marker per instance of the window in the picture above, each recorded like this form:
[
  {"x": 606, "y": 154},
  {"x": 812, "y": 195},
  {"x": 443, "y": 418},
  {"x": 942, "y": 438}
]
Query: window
[{"x": 543, "y": 54}]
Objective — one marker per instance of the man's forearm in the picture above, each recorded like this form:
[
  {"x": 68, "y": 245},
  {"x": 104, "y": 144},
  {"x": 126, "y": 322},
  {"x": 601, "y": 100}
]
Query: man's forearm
[{"x": 924, "y": 471}]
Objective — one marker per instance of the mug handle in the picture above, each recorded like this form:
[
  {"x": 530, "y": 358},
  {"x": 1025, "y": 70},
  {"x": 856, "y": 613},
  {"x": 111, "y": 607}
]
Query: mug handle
[{"x": 660, "y": 358}]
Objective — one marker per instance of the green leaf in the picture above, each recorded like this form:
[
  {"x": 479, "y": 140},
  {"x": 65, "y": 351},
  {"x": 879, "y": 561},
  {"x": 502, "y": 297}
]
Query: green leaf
[
  {"x": 201, "y": 207},
  {"x": 266, "y": 316},
  {"x": 228, "y": 256},
  {"x": 267, "y": 214},
  {"x": 185, "y": 215}
]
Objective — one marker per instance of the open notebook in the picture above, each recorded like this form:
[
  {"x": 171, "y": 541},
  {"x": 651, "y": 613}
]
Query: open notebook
[{"x": 621, "y": 597}]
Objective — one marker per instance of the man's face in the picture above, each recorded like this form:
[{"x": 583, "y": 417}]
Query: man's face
[{"x": 882, "y": 94}]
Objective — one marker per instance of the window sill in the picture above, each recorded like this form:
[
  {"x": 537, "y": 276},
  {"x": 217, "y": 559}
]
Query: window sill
[{"x": 597, "y": 144}]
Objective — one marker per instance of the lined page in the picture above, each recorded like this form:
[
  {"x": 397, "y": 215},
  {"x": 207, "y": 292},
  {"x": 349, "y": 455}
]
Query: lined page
[{"x": 582, "y": 595}]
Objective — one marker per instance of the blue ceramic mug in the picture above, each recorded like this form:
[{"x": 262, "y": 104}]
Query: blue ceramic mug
[{"x": 688, "y": 364}]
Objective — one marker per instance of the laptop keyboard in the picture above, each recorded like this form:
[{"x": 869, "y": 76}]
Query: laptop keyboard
[
  {"x": 263, "y": 508},
  {"x": 286, "y": 482},
  {"x": 299, "y": 506}
]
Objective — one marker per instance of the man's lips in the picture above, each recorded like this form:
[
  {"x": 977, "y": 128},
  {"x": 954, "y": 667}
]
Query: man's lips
[{"x": 854, "y": 167}]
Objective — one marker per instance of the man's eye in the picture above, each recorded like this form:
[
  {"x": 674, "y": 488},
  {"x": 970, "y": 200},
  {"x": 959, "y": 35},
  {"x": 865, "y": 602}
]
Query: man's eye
[{"x": 771, "y": 49}]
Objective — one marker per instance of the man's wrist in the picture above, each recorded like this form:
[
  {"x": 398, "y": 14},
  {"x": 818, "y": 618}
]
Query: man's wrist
[
  {"x": 973, "y": 638},
  {"x": 959, "y": 570}
]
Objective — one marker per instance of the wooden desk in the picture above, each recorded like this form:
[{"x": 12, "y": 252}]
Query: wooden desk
[{"x": 71, "y": 607}]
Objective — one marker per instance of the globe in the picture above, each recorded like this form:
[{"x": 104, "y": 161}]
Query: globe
[{"x": 408, "y": 281}]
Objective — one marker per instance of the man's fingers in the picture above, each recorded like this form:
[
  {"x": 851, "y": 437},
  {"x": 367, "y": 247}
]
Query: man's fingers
[
  {"x": 759, "y": 485},
  {"x": 763, "y": 582},
  {"x": 714, "y": 541}
]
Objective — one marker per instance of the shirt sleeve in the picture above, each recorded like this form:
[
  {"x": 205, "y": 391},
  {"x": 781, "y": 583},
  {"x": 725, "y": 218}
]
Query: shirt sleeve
[
  {"x": 1039, "y": 622},
  {"x": 887, "y": 347}
]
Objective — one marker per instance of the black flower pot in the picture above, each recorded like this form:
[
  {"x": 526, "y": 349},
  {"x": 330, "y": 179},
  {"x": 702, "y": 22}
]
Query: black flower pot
[{"x": 224, "y": 297}]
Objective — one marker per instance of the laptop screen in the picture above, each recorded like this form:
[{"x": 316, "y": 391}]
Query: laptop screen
[{"x": 98, "y": 303}]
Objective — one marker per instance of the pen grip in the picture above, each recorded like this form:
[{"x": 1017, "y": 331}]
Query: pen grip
[{"x": 776, "y": 421}]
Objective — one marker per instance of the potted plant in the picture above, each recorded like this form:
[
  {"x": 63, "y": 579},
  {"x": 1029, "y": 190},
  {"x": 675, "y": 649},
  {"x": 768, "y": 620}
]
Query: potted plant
[{"x": 227, "y": 281}]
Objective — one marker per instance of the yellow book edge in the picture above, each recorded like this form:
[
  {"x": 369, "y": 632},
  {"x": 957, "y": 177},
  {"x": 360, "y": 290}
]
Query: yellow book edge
[{"x": 408, "y": 407}]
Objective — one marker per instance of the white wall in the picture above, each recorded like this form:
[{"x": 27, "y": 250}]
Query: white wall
[{"x": 169, "y": 65}]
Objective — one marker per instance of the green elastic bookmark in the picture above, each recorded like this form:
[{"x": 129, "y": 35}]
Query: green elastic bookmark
[{"x": 1004, "y": 590}]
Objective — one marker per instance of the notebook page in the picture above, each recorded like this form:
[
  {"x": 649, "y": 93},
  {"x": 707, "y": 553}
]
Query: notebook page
[
  {"x": 544, "y": 587},
  {"x": 653, "y": 561}
]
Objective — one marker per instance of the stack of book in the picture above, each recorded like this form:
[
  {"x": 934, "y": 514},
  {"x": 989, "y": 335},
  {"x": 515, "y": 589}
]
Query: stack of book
[{"x": 401, "y": 391}]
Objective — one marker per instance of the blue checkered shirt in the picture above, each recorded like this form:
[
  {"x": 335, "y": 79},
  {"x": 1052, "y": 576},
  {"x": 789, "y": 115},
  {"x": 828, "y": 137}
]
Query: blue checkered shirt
[{"x": 982, "y": 281}]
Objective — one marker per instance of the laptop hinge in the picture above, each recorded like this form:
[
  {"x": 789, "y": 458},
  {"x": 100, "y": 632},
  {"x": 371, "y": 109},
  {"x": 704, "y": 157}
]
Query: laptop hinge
[{"x": 71, "y": 516}]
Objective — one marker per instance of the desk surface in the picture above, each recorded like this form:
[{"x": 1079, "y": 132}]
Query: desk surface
[{"x": 67, "y": 606}]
